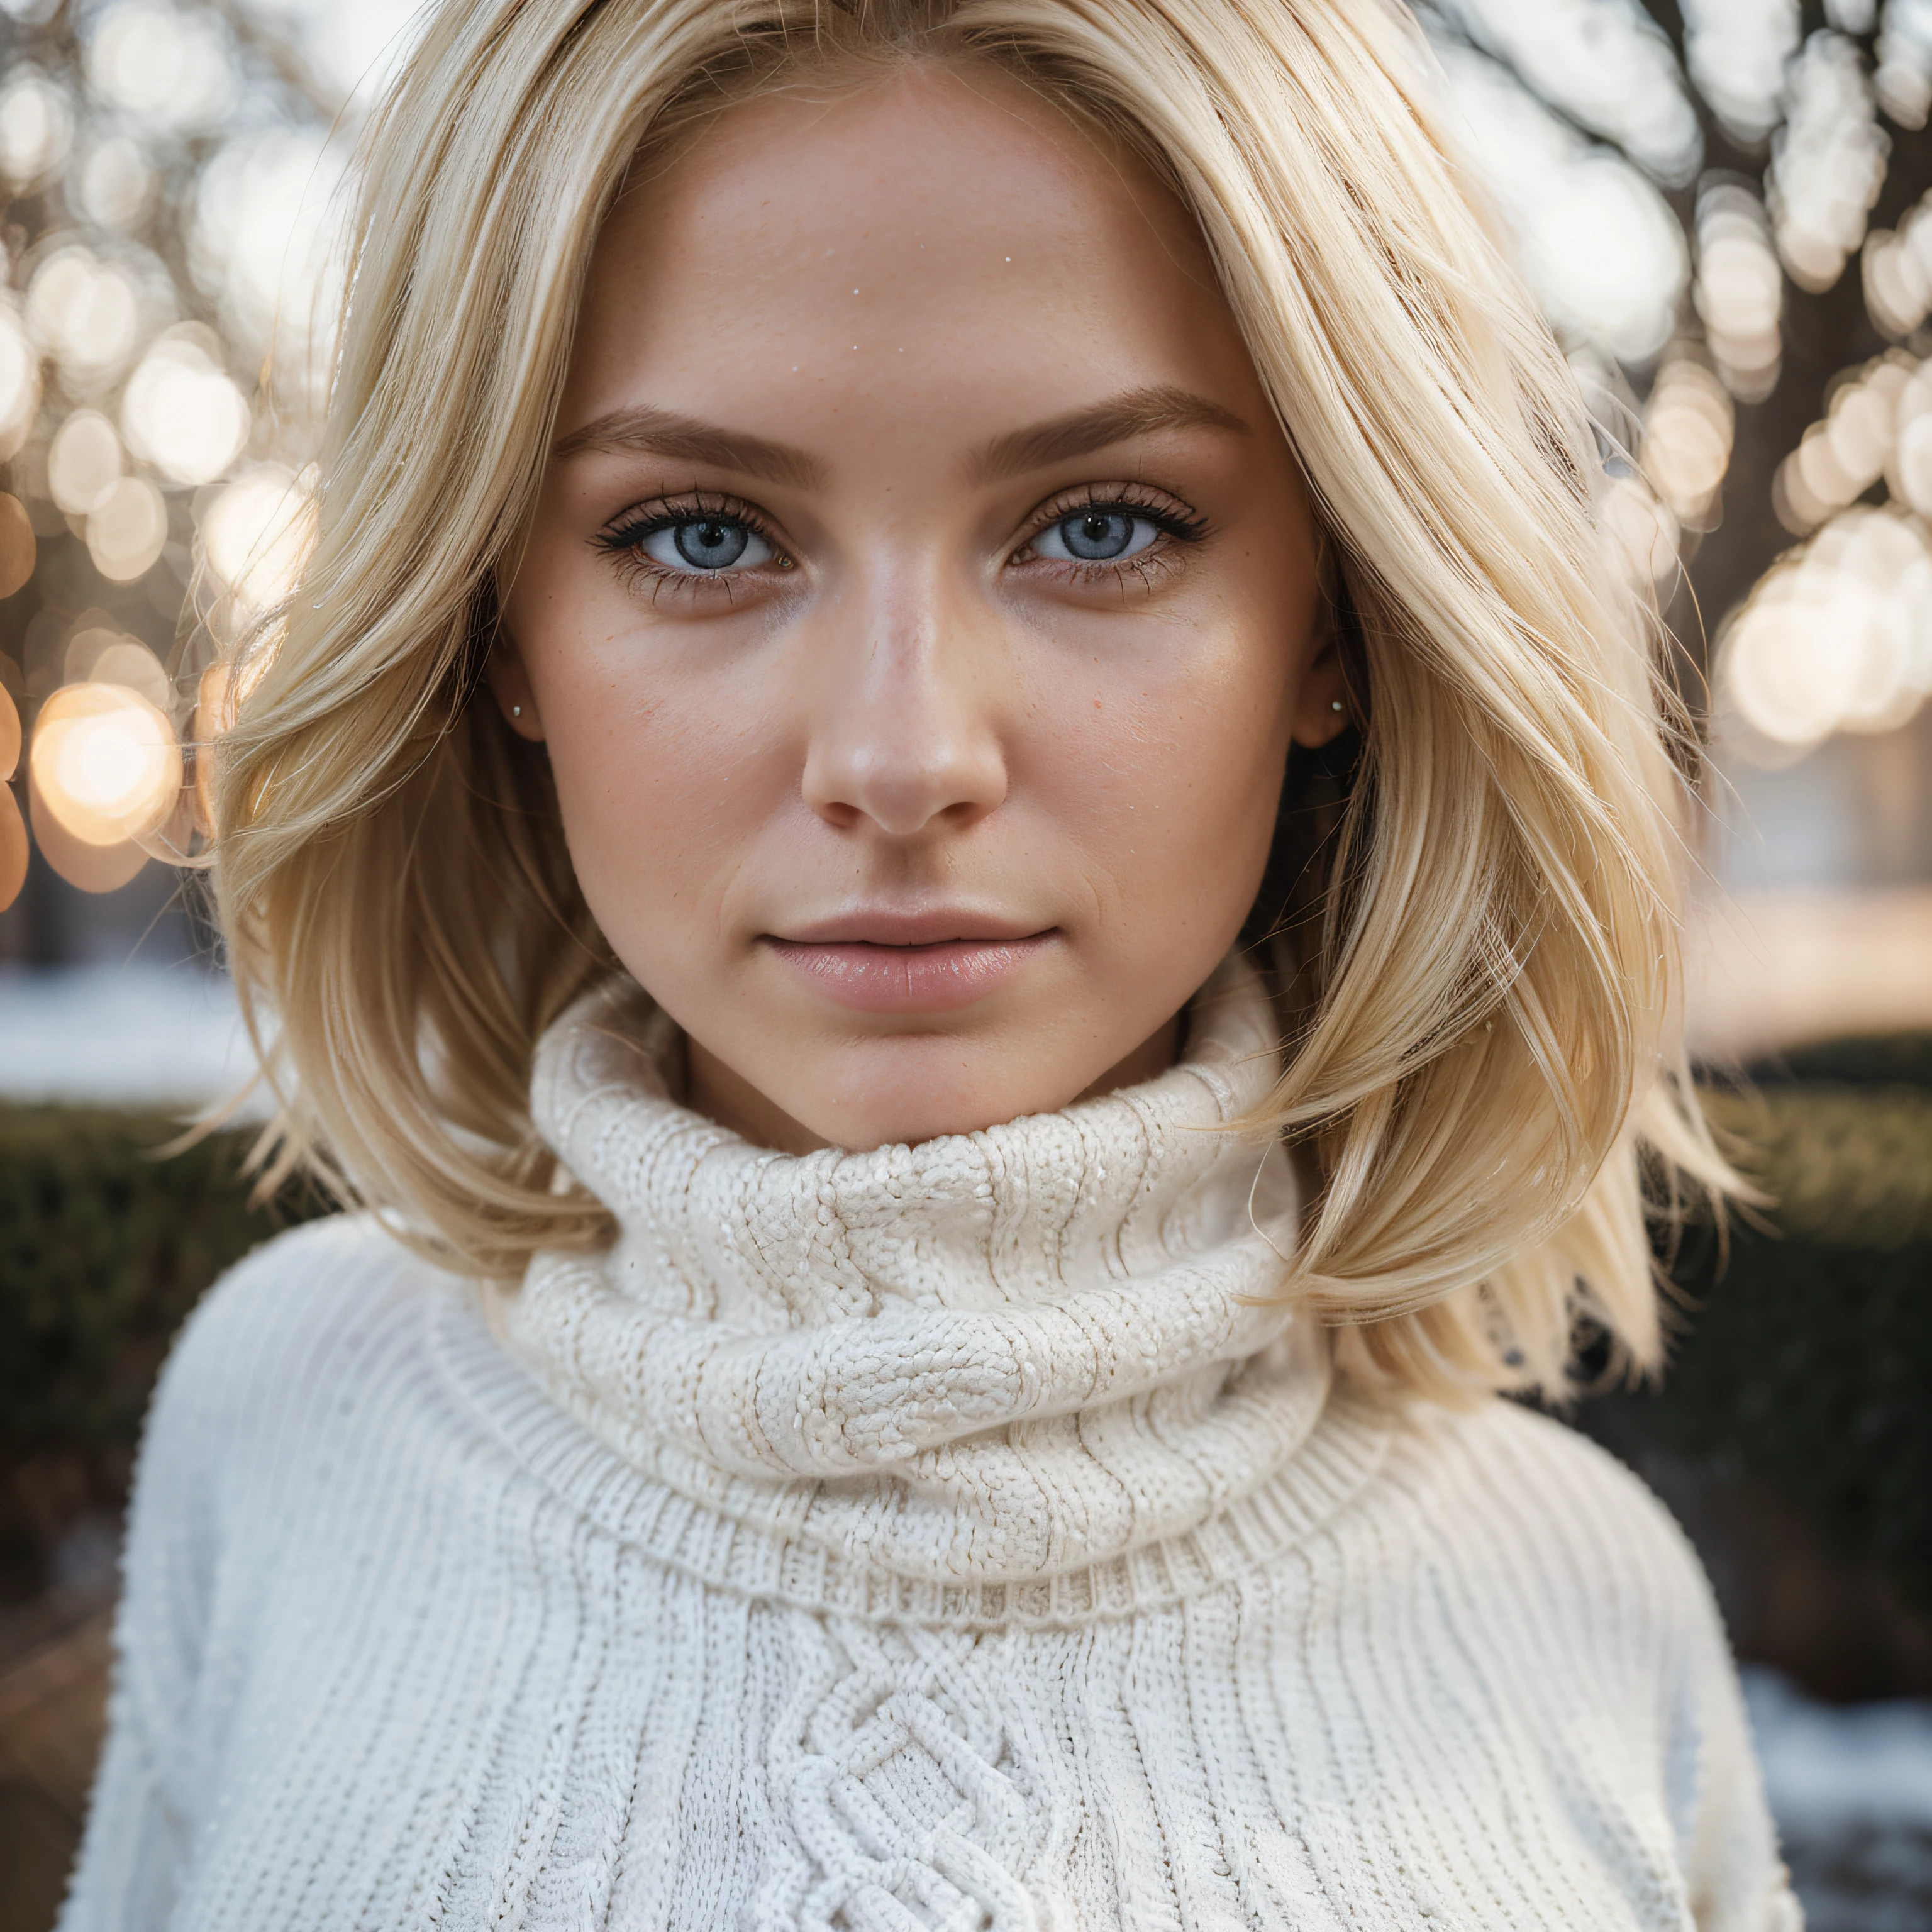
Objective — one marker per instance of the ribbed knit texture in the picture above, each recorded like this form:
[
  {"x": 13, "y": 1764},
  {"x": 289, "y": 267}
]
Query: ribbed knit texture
[{"x": 940, "y": 1538}]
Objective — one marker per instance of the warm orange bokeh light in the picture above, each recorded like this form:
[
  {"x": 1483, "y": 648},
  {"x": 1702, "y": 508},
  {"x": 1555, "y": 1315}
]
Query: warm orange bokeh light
[
  {"x": 10, "y": 735},
  {"x": 18, "y": 550},
  {"x": 105, "y": 763},
  {"x": 13, "y": 848},
  {"x": 93, "y": 868}
]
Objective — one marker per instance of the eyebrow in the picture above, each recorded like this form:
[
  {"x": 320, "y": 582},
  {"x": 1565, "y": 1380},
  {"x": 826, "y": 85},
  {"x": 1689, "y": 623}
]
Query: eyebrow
[
  {"x": 1134, "y": 413},
  {"x": 665, "y": 433}
]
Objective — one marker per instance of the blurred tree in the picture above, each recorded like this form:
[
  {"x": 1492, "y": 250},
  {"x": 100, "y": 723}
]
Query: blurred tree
[
  {"x": 168, "y": 171},
  {"x": 1723, "y": 206}
]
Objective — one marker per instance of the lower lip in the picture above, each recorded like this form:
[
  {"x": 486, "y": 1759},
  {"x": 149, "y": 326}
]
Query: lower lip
[{"x": 941, "y": 979}]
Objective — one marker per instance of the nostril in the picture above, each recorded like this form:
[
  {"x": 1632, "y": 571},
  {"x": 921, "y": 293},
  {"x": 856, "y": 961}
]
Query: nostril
[{"x": 904, "y": 796}]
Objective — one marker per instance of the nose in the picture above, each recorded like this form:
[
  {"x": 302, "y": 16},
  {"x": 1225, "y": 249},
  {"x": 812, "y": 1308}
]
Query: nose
[{"x": 905, "y": 731}]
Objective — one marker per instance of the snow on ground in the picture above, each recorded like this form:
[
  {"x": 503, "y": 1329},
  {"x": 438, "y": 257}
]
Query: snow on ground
[
  {"x": 135, "y": 1035},
  {"x": 1852, "y": 1790}
]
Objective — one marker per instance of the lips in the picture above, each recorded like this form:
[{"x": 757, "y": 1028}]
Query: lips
[{"x": 883, "y": 962}]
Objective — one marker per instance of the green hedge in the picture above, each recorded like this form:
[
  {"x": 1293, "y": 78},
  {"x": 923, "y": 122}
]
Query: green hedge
[
  {"x": 1805, "y": 1359},
  {"x": 103, "y": 1250}
]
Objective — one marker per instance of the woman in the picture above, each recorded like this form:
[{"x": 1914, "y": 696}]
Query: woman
[{"x": 976, "y": 630}]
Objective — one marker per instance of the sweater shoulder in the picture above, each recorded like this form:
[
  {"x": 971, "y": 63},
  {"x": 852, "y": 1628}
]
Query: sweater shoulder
[
  {"x": 1533, "y": 1498},
  {"x": 284, "y": 1325},
  {"x": 1544, "y": 1475}
]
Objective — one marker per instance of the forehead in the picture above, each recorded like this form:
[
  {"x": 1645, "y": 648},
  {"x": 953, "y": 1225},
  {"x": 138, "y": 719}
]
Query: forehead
[{"x": 928, "y": 211}]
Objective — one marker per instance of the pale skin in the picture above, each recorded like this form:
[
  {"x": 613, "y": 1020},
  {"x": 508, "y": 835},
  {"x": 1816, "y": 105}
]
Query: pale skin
[{"x": 919, "y": 609}]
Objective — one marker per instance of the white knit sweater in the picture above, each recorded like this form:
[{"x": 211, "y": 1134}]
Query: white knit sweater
[{"x": 934, "y": 1538}]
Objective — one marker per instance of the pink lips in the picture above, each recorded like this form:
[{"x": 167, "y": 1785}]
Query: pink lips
[{"x": 931, "y": 963}]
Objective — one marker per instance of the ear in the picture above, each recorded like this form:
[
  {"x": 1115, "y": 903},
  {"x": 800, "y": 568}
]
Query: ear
[
  {"x": 509, "y": 683},
  {"x": 1321, "y": 707}
]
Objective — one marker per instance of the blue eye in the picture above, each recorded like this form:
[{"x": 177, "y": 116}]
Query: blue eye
[
  {"x": 710, "y": 544},
  {"x": 1098, "y": 535}
]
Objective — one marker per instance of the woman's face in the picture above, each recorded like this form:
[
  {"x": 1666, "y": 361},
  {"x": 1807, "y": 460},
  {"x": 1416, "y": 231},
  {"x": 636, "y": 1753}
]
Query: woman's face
[{"x": 918, "y": 609}]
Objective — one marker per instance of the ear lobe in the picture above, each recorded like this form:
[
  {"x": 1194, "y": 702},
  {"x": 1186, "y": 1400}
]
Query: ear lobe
[
  {"x": 1322, "y": 710},
  {"x": 510, "y": 685}
]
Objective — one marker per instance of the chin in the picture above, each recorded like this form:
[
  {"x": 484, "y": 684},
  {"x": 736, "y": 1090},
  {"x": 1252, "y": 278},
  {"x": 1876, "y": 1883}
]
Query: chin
[{"x": 911, "y": 1108}]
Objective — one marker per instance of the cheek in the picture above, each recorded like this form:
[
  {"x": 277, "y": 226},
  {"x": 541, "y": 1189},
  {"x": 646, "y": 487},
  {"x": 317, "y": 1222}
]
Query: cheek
[
  {"x": 662, "y": 767},
  {"x": 659, "y": 786},
  {"x": 1175, "y": 781}
]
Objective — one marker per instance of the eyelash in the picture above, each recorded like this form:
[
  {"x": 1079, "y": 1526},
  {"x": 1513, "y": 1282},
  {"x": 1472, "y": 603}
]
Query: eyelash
[
  {"x": 1167, "y": 514},
  {"x": 623, "y": 538}
]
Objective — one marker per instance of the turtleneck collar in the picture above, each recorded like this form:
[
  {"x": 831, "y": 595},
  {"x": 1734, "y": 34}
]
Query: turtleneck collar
[{"x": 992, "y": 1358}]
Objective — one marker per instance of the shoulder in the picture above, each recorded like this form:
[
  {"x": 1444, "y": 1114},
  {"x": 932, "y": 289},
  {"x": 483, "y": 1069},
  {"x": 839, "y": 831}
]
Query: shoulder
[
  {"x": 1534, "y": 1472},
  {"x": 1548, "y": 1462},
  {"x": 1523, "y": 1508},
  {"x": 301, "y": 1317}
]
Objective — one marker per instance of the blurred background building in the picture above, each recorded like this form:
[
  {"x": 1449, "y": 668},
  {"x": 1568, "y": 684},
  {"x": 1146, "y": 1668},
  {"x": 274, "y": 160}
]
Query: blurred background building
[{"x": 1725, "y": 207}]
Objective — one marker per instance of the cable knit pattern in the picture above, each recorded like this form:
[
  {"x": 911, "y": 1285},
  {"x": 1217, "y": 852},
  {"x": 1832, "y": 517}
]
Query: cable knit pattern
[
  {"x": 949, "y": 1537},
  {"x": 989, "y": 1360}
]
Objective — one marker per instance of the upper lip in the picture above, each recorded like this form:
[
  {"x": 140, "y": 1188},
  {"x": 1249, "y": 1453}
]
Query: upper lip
[{"x": 880, "y": 926}]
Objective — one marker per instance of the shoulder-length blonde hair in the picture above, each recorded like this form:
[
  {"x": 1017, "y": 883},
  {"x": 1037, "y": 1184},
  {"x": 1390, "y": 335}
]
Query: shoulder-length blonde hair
[{"x": 1485, "y": 1033}]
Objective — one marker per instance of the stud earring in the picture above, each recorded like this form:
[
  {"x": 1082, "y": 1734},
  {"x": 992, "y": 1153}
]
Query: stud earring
[
  {"x": 517, "y": 710},
  {"x": 1335, "y": 704}
]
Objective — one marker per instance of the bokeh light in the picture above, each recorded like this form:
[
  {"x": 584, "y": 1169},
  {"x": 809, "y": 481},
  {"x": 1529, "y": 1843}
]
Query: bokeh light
[
  {"x": 1903, "y": 79},
  {"x": 1645, "y": 527},
  {"x": 115, "y": 185},
  {"x": 1688, "y": 428},
  {"x": 83, "y": 462},
  {"x": 13, "y": 844},
  {"x": 1909, "y": 473},
  {"x": 1605, "y": 64},
  {"x": 255, "y": 539},
  {"x": 1739, "y": 292},
  {"x": 170, "y": 67},
  {"x": 18, "y": 551},
  {"x": 127, "y": 530},
  {"x": 166, "y": 322},
  {"x": 20, "y": 382},
  {"x": 13, "y": 848},
  {"x": 84, "y": 312},
  {"x": 1737, "y": 51},
  {"x": 1596, "y": 240},
  {"x": 262, "y": 244},
  {"x": 1828, "y": 161},
  {"x": 1837, "y": 637},
  {"x": 36, "y": 127},
  {"x": 98, "y": 656},
  {"x": 1898, "y": 265},
  {"x": 106, "y": 762},
  {"x": 90, "y": 867},
  {"x": 181, "y": 411},
  {"x": 1841, "y": 456}
]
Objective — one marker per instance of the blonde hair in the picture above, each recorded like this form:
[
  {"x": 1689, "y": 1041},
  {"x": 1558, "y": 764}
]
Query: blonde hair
[{"x": 1484, "y": 994}]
